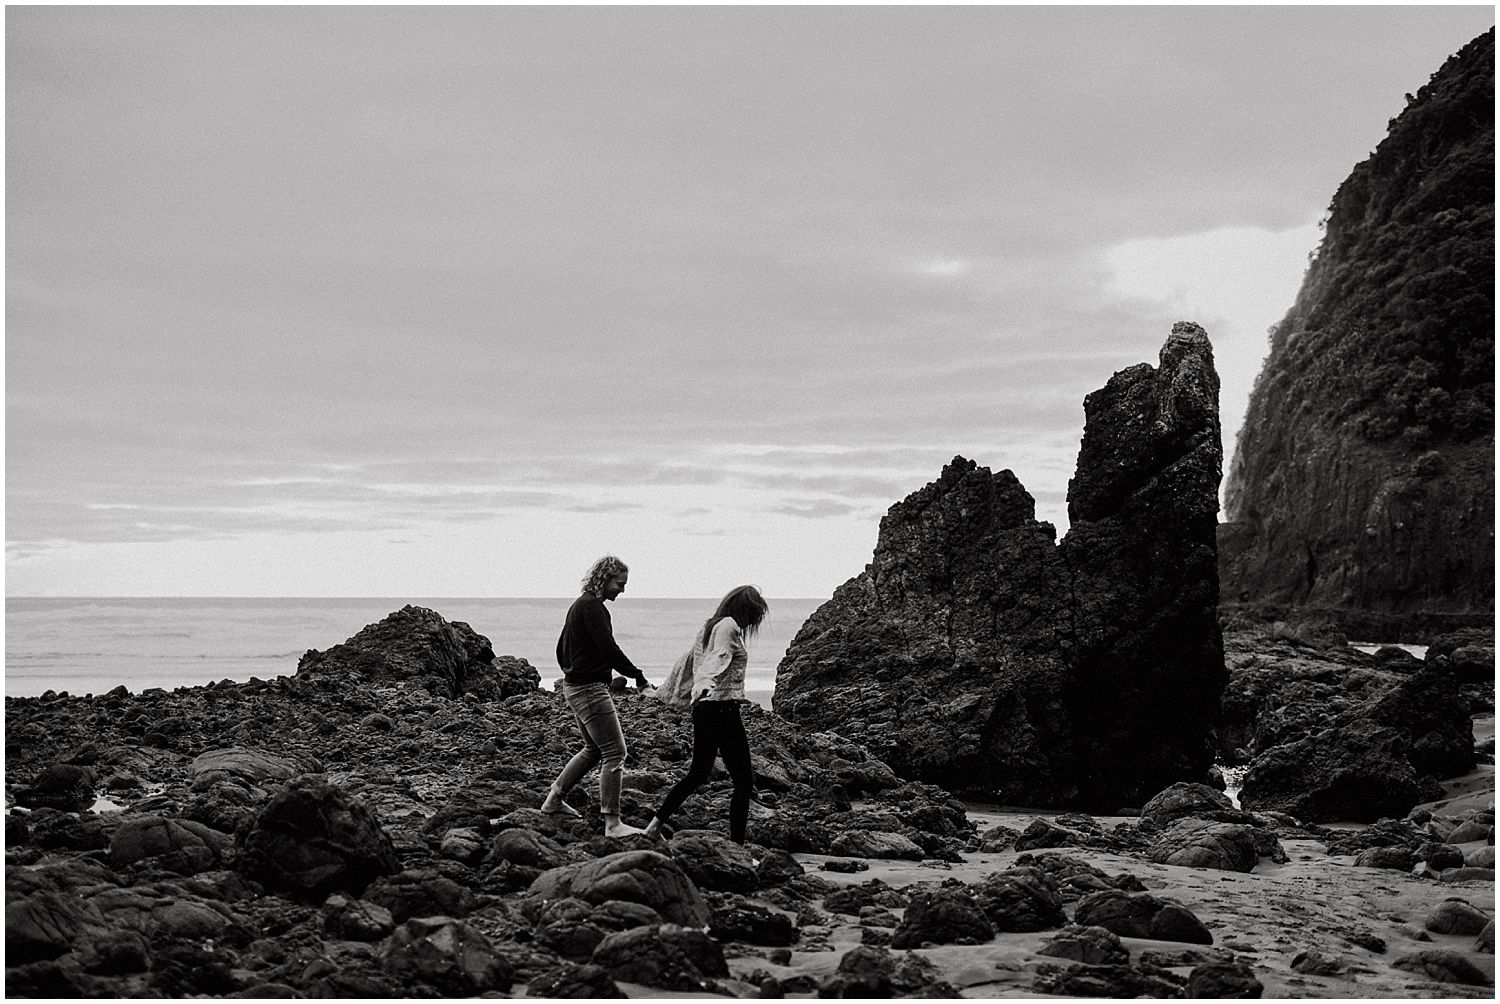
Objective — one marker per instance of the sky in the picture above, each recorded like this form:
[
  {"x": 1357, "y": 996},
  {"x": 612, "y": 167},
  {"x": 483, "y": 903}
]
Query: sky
[{"x": 385, "y": 301}]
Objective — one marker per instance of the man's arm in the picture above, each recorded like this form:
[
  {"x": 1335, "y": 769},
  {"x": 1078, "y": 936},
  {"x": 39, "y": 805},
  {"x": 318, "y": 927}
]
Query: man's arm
[{"x": 596, "y": 621}]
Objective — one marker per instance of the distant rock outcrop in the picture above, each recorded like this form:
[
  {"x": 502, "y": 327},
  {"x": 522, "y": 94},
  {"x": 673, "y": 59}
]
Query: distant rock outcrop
[
  {"x": 1364, "y": 476},
  {"x": 417, "y": 645},
  {"x": 976, "y": 653}
]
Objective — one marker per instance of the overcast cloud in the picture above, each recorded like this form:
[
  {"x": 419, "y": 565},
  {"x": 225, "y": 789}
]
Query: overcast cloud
[{"x": 447, "y": 301}]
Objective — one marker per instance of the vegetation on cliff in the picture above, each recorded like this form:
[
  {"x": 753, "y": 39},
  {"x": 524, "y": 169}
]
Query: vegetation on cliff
[{"x": 1367, "y": 448}]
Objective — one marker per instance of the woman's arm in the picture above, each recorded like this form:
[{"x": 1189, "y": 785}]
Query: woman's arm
[{"x": 726, "y": 641}]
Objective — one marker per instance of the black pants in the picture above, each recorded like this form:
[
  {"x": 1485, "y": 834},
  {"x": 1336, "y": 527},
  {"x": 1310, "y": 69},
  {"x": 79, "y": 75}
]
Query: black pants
[{"x": 717, "y": 731}]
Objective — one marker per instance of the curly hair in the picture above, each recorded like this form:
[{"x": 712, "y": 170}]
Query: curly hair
[{"x": 600, "y": 573}]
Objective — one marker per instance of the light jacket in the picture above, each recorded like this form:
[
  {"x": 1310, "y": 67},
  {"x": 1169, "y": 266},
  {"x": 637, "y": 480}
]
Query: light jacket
[{"x": 719, "y": 666}]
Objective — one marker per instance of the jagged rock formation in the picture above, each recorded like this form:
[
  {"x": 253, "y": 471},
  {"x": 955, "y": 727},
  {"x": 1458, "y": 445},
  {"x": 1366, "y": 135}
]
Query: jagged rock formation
[
  {"x": 1364, "y": 477},
  {"x": 417, "y": 645},
  {"x": 976, "y": 653}
]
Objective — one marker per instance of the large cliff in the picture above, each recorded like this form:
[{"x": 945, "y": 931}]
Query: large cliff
[
  {"x": 1363, "y": 479},
  {"x": 975, "y": 653}
]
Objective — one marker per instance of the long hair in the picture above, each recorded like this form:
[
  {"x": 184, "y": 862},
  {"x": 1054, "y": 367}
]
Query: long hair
[
  {"x": 600, "y": 573},
  {"x": 746, "y": 605}
]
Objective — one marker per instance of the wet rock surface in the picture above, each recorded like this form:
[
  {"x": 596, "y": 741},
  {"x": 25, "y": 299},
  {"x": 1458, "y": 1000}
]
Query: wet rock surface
[
  {"x": 282, "y": 847},
  {"x": 1329, "y": 732}
]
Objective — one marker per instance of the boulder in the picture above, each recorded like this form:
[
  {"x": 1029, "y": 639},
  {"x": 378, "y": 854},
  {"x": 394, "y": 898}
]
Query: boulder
[
  {"x": 866, "y": 971},
  {"x": 45, "y": 924},
  {"x": 736, "y": 918},
  {"x": 776, "y": 867},
  {"x": 1084, "y": 673},
  {"x": 464, "y": 844},
  {"x": 1427, "y": 710},
  {"x": 190, "y": 920},
  {"x": 53, "y": 829},
  {"x": 567, "y": 927},
  {"x": 644, "y": 877},
  {"x": 115, "y": 953},
  {"x": 1400, "y": 859},
  {"x": 447, "y": 955},
  {"x": 1020, "y": 899},
  {"x": 944, "y": 917},
  {"x": 1456, "y": 916},
  {"x": 416, "y": 645},
  {"x": 1075, "y": 878},
  {"x": 661, "y": 956},
  {"x": 1141, "y": 915},
  {"x": 506, "y": 676},
  {"x": 1315, "y": 963},
  {"x": 854, "y": 898},
  {"x": 1472, "y": 829},
  {"x": 1444, "y": 966},
  {"x": 875, "y": 844},
  {"x": 1113, "y": 981},
  {"x": 522, "y": 846},
  {"x": 251, "y": 768},
  {"x": 1440, "y": 856},
  {"x": 225, "y": 806},
  {"x": 1339, "y": 774},
  {"x": 571, "y": 981},
  {"x": 178, "y": 845},
  {"x": 1202, "y": 843},
  {"x": 622, "y": 914},
  {"x": 356, "y": 919},
  {"x": 63, "y": 786},
  {"x": 1093, "y": 946},
  {"x": 311, "y": 839},
  {"x": 495, "y": 794},
  {"x": 1041, "y": 833},
  {"x": 713, "y": 861},
  {"x": 1186, "y": 798},
  {"x": 419, "y": 892},
  {"x": 1223, "y": 980}
]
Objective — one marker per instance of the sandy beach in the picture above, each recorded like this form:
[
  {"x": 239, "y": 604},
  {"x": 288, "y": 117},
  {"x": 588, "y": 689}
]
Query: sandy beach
[{"x": 1315, "y": 902}]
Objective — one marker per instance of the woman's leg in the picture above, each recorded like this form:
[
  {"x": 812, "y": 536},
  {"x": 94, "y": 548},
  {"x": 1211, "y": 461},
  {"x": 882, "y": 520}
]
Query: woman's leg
[
  {"x": 734, "y": 747},
  {"x": 705, "y": 748}
]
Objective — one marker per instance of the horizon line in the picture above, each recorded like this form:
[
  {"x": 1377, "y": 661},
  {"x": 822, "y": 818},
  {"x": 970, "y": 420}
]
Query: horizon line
[{"x": 289, "y": 596}]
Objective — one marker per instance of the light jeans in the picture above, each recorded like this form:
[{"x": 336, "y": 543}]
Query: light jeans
[{"x": 603, "y": 743}]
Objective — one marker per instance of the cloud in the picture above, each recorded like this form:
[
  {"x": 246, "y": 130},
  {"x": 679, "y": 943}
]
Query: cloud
[
  {"x": 535, "y": 271},
  {"x": 814, "y": 508},
  {"x": 1236, "y": 281}
]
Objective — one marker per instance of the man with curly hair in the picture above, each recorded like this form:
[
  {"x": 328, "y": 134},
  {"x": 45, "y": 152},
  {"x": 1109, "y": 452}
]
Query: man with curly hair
[{"x": 589, "y": 656}]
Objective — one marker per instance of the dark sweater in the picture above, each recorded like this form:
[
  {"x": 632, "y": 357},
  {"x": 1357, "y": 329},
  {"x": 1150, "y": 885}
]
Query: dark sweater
[{"x": 586, "y": 649}]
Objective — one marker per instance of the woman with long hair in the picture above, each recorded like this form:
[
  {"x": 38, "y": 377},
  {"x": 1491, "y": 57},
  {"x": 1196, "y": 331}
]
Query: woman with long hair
[
  {"x": 718, "y": 668},
  {"x": 589, "y": 656}
]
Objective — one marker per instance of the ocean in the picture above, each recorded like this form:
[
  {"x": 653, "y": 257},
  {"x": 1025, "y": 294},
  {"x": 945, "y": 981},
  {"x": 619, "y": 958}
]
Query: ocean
[{"x": 90, "y": 645}]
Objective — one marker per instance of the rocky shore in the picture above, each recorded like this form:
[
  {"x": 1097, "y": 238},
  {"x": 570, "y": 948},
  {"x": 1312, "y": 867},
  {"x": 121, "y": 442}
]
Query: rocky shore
[{"x": 368, "y": 827}]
